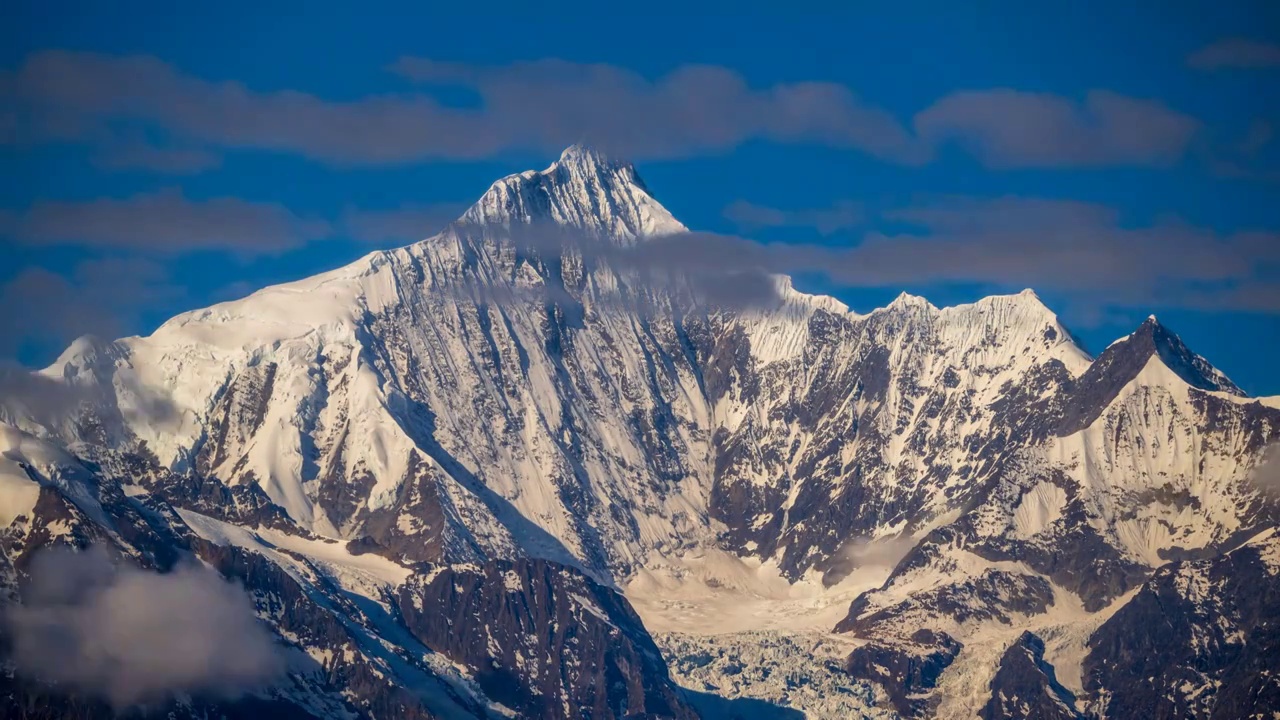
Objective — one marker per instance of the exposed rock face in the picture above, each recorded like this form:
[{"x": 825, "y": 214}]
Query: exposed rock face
[
  {"x": 352, "y": 652},
  {"x": 544, "y": 639},
  {"x": 906, "y": 670},
  {"x": 1199, "y": 640},
  {"x": 1025, "y": 686}
]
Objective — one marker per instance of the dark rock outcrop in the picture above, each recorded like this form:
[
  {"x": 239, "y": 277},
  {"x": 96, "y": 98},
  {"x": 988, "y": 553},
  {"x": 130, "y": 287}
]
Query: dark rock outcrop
[
  {"x": 544, "y": 639},
  {"x": 1199, "y": 640},
  {"x": 906, "y": 669},
  {"x": 1026, "y": 688}
]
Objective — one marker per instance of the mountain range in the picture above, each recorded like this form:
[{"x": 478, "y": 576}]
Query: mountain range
[{"x": 505, "y": 472}]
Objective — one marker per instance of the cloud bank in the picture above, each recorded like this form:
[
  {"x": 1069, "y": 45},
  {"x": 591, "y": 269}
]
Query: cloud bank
[
  {"x": 1075, "y": 248},
  {"x": 842, "y": 215},
  {"x": 1012, "y": 129},
  {"x": 541, "y": 105},
  {"x": 1078, "y": 249},
  {"x": 131, "y": 636},
  {"x": 165, "y": 222},
  {"x": 545, "y": 105}
]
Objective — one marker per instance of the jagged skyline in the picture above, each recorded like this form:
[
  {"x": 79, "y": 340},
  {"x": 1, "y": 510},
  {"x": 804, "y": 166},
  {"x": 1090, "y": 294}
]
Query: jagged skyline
[{"x": 152, "y": 169}]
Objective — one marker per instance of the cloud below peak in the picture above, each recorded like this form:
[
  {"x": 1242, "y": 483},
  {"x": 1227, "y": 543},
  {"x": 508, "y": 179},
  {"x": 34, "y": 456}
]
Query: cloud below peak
[
  {"x": 1077, "y": 250},
  {"x": 132, "y": 636}
]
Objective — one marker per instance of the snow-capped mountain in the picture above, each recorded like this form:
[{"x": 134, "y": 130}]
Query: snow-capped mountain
[{"x": 482, "y": 423}]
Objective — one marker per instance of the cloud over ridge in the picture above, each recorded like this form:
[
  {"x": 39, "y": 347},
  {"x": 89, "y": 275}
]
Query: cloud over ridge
[{"x": 132, "y": 636}]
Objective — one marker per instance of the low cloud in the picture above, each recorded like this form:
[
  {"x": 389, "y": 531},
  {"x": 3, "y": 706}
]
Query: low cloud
[
  {"x": 1080, "y": 250},
  {"x": 1266, "y": 476},
  {"x": 165, "y": 222},
  {"x": 1013, "y": 129},
  {"x": 131, "y": 636},
  {"x": 1237, "y": 52},
  {"x": 29, "y": 396},
  {"x": 877, "y": 552},
  {"x": 842, "y": 215},
  {"x": 682, "y": 269},
  {"x": 1076, "y": 249},
  {"x": 32, "y": 397}
]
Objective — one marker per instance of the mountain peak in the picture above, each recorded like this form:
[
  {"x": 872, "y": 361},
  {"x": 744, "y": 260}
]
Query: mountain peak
[
  {"x": 584, "y": 190},
  {"x": 585, "y": 156},
  {"x": 1152, "y": 338},
  {"x": 1123, "y": 363},
  {"x": 907, "y": 300},
  {"x": 1193, "y": 368},
  {"x": 1025, "y": 299}
]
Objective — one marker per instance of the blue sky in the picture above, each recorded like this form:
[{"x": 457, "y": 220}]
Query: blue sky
[{"x": 1121, "y": 161}]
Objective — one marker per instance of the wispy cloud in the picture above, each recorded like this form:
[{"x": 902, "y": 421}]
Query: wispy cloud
[
  {"x": 1014, "y": 242},
  {"x": 1247, "y": 157},
  {"x": 544, "y": 105},
  {"x": 1078, "y": 250},
  {"x": 1236, "y": 52},
  {"x": 1071, "y": 246},
  {"x": 44, "y": 310},
  {"x": 1265, "y": 476},
  {"x": 842, "y": 215},
  {"x": 135, "y": 237},
  {"x": 693, "y": 109},
  {"x": 1013, "y": 129},
  {"x": 139, "y": 154},
  {"x": 164, "y": 222},
  {"x": 401, "y": 225}
]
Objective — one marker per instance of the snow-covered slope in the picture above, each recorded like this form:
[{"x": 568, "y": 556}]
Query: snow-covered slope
[
  {"x": 504, "y": 391},
  {"x": 583, "y": 189}
]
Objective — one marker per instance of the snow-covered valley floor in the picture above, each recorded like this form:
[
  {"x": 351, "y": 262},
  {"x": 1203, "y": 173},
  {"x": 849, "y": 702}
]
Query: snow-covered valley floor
[
  {"x": 768, "y": 675},
  {"x": 749, "y": 644}
]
